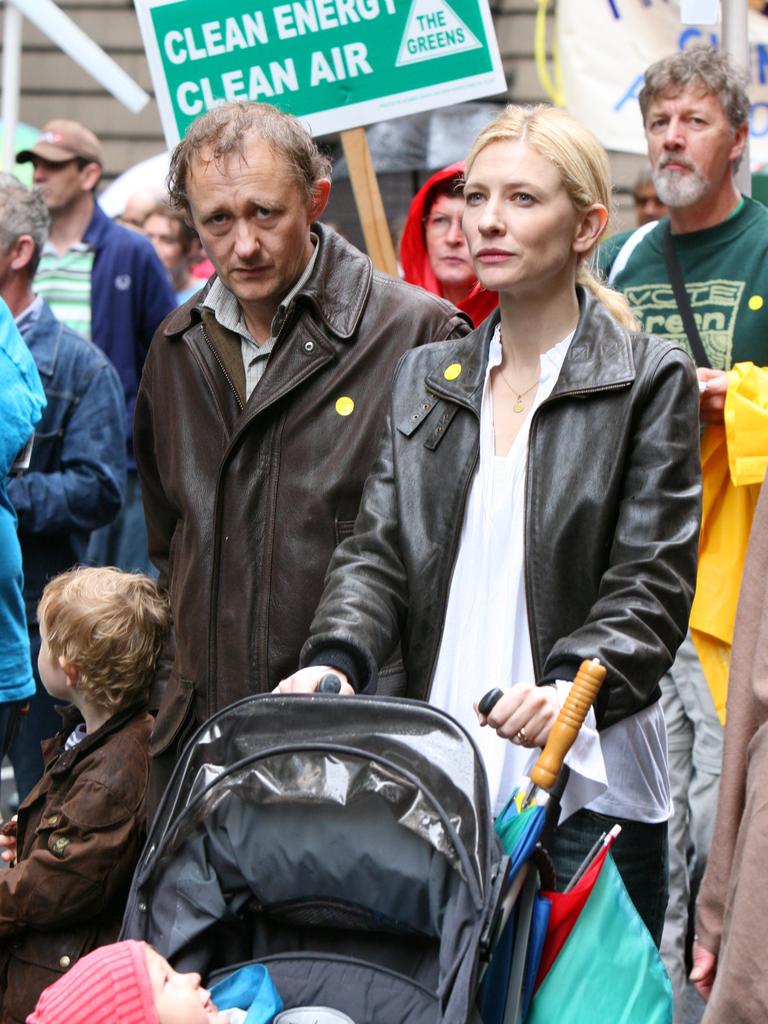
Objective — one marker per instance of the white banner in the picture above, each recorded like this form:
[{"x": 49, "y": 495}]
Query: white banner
[{"x": 606, "y": 45}]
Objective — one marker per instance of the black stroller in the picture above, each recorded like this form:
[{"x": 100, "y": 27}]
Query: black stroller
[{"x": 345, "y": 844}]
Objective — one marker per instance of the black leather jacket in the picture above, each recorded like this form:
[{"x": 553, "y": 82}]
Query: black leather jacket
[{"x": 612, "y": 515}]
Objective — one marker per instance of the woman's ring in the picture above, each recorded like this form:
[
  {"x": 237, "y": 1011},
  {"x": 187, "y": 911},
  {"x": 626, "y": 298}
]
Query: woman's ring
[{"x": 520, "y": 737}]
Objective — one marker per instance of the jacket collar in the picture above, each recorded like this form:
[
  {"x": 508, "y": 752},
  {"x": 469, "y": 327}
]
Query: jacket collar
[
  {"x": 338, "y": 288},
  {"x": 469, "y": 357},
  {"x": 43, "y": 340},
  {"x": 98, "y": 228},
  {"x": 70, "y": 717},
  {"x": 188, "y": 313},
  {"x": 600, "y": 356}
]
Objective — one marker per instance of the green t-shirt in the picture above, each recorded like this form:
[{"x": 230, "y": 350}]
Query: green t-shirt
[{"x": 725, "y": 269}]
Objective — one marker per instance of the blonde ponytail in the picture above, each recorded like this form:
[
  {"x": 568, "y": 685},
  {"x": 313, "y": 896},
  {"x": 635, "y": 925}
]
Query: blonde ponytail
[{"x": 614, "y": 301}]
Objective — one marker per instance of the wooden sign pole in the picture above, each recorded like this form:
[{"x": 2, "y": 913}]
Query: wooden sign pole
[{"x": 370, "y": 207}]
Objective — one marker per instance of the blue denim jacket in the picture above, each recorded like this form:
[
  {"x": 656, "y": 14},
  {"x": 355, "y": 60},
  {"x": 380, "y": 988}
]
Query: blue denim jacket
[{"x": 76, "y": 479}]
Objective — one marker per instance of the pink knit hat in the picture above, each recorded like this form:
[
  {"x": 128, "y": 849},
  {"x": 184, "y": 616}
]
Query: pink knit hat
[{"x": 109, "y": 986}]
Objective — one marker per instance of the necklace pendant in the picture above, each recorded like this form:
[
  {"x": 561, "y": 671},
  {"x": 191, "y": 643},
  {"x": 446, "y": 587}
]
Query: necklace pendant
[{"x": 519, "y": 404}]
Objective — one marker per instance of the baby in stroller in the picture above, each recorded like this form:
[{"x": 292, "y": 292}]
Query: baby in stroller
[
  {"x": 348, "y": 850},
  {"x": 127, "y": 982}
]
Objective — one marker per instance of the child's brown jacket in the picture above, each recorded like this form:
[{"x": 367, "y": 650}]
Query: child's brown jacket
[{"x": 80, "y": 833}]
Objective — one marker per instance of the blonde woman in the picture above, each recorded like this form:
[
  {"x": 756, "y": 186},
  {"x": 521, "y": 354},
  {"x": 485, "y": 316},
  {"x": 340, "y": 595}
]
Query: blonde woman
[{"x": 535, "y": 502}]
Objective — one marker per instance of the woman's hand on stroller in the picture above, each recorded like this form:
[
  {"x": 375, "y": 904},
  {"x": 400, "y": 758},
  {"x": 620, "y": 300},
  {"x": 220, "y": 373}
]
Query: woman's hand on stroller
[
  {"x": 307, "y": 680},
  {"x": 523, "y": 714}
]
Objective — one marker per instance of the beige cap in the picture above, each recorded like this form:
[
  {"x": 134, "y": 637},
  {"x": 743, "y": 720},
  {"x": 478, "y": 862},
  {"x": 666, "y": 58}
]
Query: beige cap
[{"x": 61, "y": 141}]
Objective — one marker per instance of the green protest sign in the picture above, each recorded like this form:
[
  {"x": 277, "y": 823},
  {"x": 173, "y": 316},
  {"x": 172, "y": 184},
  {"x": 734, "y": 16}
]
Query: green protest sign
[{"x": 336, "y": 64}]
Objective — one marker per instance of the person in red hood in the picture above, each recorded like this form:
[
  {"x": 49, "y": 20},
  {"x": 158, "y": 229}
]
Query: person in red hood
[{"x": 433, "y": 249}]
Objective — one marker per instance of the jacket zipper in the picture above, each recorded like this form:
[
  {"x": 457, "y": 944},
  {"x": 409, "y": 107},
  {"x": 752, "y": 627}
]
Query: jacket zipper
[
  {"x": 263, "y": 604},
  {"x": 262, "y": 607},
  {"x": 212, "y": 653},
  {"x": 526, "y": 574},
  {"x": 222, "y": 367}
]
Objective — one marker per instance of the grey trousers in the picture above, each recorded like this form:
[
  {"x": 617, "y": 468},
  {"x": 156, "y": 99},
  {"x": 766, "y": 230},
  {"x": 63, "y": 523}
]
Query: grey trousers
[{"x": 695, "y": 741}]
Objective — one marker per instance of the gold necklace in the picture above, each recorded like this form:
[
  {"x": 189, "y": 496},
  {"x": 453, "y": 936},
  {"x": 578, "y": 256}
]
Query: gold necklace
[{"x": 519, "y": 395}]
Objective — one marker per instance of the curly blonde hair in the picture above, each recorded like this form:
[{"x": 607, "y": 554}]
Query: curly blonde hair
[{"x": 110, "y": 626}]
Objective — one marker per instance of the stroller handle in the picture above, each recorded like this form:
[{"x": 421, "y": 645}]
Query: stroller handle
[{"x": 330, "y": 683}]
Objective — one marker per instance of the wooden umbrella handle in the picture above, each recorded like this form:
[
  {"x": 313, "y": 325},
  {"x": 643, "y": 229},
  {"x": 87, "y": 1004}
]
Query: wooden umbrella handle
[{"x": 563, "y": 734}]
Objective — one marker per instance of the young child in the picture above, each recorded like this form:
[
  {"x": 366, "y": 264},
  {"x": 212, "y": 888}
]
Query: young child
[
  {"x": 81, "y": 829},
  {"x": 126, "y": 983}
]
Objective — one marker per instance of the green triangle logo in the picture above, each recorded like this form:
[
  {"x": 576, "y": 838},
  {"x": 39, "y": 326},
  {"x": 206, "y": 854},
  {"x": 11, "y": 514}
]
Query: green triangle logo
[{"x": 434, "y": 30}]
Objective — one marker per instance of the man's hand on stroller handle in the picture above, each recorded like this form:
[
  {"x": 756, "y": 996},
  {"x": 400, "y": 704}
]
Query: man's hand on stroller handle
[
  {"x": 523, "y": 714},
  {"x": 307, "y": 680}
]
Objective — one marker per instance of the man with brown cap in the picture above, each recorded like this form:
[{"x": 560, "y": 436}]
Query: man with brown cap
[{"x": 107, "y": 284}]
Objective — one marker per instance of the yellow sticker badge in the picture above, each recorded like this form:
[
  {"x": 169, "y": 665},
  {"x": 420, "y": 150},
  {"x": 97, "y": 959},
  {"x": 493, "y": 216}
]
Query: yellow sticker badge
[
  {"x": 345, "y": 405},
  {"x": 755, "y": 302},
  {"x": 453, "y": 371}
]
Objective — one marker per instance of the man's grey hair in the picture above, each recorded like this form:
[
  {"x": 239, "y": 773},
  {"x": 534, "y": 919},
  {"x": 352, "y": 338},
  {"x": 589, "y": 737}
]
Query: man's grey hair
[
  {"x": 704, "y": 66},
  {"x": 22, "y": 212},
  {"x": 228, "y": 128}
]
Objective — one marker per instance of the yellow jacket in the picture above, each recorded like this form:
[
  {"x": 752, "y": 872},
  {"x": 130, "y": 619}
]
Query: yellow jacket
[{"x": 734, "y": 459}]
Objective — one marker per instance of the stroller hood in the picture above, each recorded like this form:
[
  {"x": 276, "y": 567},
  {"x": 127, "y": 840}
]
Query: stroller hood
[{"x": 345, "y": 843}]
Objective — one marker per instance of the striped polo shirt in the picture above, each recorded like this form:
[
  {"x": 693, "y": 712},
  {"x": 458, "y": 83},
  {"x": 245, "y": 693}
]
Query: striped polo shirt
[{"x": 65, "y": 284}]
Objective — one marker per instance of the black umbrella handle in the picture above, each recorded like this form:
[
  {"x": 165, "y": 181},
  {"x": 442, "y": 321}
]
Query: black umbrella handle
[{"x": 489, "y": 701}]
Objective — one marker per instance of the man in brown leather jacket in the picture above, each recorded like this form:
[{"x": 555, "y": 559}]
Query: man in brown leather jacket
[{"x": 260, "y": 409}]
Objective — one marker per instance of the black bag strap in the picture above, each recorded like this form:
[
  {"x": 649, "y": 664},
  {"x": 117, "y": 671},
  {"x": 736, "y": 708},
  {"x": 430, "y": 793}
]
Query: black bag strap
[{"x": 682, "y": 300}]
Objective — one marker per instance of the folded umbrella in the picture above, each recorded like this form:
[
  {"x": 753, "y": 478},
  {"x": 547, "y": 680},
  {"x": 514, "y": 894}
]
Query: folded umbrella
[
  {"x": 599, "y": 961},
  {"x": 532, "y": 807},
  {"x": 522, "y": 821}
]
